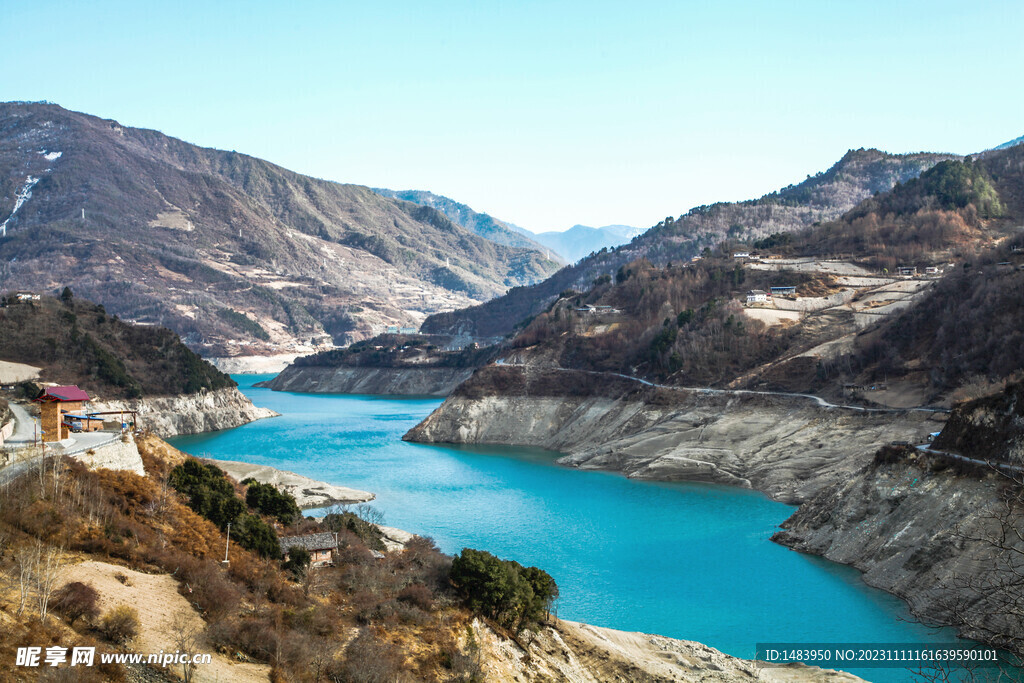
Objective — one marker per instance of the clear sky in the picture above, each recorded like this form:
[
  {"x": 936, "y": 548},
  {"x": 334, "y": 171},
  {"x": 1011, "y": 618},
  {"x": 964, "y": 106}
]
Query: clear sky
[{"x": 542, "y": 113}]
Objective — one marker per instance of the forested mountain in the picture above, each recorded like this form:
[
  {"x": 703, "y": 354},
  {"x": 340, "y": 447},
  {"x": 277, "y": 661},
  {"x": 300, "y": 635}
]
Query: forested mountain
[
  {"x": 823, "y": 197},
  {"x": 77, "y": 342},
  {"x": 222, "y": 247},
  {"x": 481, "y": 224}
]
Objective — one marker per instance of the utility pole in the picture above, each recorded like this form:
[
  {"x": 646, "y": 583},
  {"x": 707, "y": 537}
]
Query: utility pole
[{"x": 227, "y": 545}]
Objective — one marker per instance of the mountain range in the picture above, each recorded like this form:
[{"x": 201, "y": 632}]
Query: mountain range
[
  {"x": 569, "y": 245},
  {"x": 581, "y": 240},
  {"x": 859, "y": 174},
  {"x": 235, "y": 254}
]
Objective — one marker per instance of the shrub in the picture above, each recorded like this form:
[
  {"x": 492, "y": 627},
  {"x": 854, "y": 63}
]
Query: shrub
[
  {"x": 368, "y": 660},
  {"x": 75, "y": 600},
  {"x": 120, "y": 624},
  {"x": 418, "y": 595}
]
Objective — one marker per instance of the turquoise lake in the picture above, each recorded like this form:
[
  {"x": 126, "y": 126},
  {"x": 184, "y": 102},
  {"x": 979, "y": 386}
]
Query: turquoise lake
[{"x": 691, "y": 561}]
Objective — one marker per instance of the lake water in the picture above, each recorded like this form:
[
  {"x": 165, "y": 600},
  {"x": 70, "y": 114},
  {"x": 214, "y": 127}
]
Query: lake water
[{"x": 690, "y": 561}]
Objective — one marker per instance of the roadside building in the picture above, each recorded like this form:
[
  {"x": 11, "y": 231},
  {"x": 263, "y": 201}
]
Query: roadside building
[
  {"x": 907, "y": 270},
  {"x": 741, "y": 254},
  {"x": 319, "y": 546},
  {"x": 55, "y": 405},
  {"x": 784, "y": 291}
]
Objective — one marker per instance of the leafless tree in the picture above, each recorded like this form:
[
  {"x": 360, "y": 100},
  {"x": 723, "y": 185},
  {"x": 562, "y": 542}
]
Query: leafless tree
[
  {"x": 50, "y": 560},
  {"x": 370, "y": 514},
  {"x": 26, "y": 560},
  {"x": 187, "y": 636}
]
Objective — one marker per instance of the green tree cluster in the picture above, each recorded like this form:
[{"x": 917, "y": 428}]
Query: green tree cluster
[
  {"x": 211, "y": 495},
  {"x": 949, "y": 185},
  {"x": 297, "y": 562},
  {"x": 267, "y": 500},
  {"x": 504, "y": 590}
]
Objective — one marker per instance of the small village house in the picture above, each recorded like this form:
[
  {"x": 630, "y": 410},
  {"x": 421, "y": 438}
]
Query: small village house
[
  {"x": 741, "y": 254},
  {"x": 907, "y": 270},
  {"x": 758, "y": 296},
  {"x": 56, "y": 406},
  {"x": 320, "y": 546}
]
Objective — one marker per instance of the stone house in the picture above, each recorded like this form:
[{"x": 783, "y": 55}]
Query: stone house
[{"x": 320, "y": 546}]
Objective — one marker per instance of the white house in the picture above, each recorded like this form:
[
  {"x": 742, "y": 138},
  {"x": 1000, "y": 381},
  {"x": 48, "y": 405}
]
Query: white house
[{"x": 758, "y": 296}]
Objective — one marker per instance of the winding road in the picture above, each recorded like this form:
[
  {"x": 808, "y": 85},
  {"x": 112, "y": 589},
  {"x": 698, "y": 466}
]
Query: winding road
[{"x": 822, "y": 403}]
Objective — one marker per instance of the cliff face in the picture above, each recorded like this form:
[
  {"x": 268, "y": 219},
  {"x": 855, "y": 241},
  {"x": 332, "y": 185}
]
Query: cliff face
[
  {"x": 787, "y": 447},
  {"x": 191, "y": 413},
  {"x": 924, "y": 535},
  {"x": 407, "y": 381}
]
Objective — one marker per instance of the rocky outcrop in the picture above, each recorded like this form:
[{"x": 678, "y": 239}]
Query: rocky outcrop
[
  {"x": 989, "y": 428},
  {"x": 570, "y": 651},
  {"x": 119, "y": 453},
  {"x": 786, "y": 446},
  {"x": 924, "y": 533},
  {"x": 191, "y": 413},
  {"x": 403, "y": 381}
]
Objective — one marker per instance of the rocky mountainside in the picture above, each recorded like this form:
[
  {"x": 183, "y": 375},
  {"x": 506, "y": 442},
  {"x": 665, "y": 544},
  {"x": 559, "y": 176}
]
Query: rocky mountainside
[
  {"x": 989, "y": 429},
  {"x": 481, "y": 224},
  {"x": 235, "y": 254},
  {"x": 823, "y": 197}
]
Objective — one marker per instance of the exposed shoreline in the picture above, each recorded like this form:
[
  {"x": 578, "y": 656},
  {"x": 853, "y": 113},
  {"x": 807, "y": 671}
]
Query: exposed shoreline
[{"x": 308, "y": 493}]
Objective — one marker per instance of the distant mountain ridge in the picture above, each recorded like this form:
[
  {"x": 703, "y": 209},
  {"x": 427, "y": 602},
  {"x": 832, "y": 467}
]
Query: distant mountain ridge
[
  {"x": 1011, "y": 143},
  {"x": 570, "y": 245},
  {"x": 481, "y": 224},
  {"x": 580, "y": 240},
  {"x": 235, "y": 254}
]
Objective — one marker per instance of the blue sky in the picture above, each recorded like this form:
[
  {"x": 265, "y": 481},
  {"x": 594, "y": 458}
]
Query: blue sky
[{"x": 542, "y": 113}]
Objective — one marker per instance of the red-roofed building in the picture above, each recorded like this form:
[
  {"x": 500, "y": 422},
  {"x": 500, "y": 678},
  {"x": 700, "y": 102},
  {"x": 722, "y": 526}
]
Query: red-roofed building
[{"x": 54, "y": 404}]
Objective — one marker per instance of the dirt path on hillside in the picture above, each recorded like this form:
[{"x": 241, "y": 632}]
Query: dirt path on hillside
[{"x": 161, "y": 609}]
